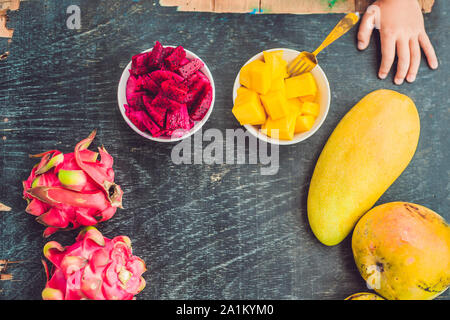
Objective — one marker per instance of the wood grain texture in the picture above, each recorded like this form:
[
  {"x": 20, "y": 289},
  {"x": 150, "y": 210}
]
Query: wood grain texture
[
  {"x": 279, "y": 6},
  {"x": 205, "y": 231}
]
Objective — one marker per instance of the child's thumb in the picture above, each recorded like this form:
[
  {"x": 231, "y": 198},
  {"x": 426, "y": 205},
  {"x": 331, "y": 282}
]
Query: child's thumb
[{"x": 366, "y": 27}]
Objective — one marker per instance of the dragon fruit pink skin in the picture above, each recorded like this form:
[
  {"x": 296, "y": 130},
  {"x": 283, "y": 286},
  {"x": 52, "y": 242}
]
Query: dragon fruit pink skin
[
  {"x": 94, "y": 267},
  {"x": 66, "y": 191}
]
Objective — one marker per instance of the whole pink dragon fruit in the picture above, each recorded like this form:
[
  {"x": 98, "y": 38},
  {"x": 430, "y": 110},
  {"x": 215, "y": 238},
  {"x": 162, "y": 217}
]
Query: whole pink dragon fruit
[
  {"x": 94, "y": 267},
  {"x": 66, "y": 191}
]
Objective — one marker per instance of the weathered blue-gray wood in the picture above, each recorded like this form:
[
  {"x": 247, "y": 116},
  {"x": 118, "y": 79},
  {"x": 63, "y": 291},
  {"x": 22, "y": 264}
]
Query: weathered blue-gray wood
[{"x": 205, "y": 231}]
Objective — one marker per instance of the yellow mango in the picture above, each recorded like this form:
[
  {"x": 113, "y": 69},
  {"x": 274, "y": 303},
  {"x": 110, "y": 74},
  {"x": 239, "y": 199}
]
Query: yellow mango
[
  {"x": 256, "y": 76},
  {"x": 295, "y": 107},
  {"x": 402, "y": 251},
  {"x": 248, "y": 108},
  {"x": 276, "y": 63},
  {"x": 310, "y": 108},
  {"x": 364, "y": 296},
  {"x": 300, "y": 86},
  {"x": 365, "y": 154},
  {"x": 308, "y": 98},
  {"x": 278, "y": 84},
  {"x": 284, "y": 128},
  {"x": 275, "y": 104},
  {"x": 304, "y": 123}
]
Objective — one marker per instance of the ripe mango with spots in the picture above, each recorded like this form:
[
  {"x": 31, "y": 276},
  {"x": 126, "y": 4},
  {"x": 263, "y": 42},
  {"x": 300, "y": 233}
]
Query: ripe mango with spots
[{"x": 402, "y": 250}]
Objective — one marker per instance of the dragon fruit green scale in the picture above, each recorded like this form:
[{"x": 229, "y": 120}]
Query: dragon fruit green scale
[
  {"x": 66, "y": 191},
  {"x": 94, "y": 267}
]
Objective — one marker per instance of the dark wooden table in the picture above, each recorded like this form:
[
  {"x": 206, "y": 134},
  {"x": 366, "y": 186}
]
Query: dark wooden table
[{"x": 205, "y": 231}]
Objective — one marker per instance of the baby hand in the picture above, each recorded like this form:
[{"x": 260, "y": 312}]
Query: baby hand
[{"x": 402, "y": 30}]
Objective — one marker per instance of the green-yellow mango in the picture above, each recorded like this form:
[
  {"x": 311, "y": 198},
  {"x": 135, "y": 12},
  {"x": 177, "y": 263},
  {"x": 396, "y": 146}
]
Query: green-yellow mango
[
  {"x": 365, "y": 154},
  {"x": 402, "y": 250}
]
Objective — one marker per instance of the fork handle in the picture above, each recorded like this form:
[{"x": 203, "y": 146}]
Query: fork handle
[{"x": 341, "y": 28}]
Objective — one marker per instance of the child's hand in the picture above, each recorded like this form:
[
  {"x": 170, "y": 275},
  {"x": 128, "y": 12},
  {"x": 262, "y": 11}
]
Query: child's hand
[{"x": 401, "y": 29}]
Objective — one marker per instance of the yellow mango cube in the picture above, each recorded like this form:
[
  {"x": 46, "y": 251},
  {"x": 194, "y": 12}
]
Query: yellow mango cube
[
  {"x": 304, "y": 123},
  {"x": 308, "y": 98},
  {"x": 278, "y": 84},
  {"x": 276, "y": 63},
  {"x": 256, "y": 76},
  {"x": 282, "y": 128},
  {"x": 310, "y": 109},
  {"x": 248, "y": 108},
  {"x": 300, "y": 86},
  {"x": 295, "y": 107},
  {"x": 275, "y": 104}
]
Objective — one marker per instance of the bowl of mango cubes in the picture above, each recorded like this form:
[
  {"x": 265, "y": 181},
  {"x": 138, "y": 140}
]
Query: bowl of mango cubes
[{"x": 277, "y": 108}]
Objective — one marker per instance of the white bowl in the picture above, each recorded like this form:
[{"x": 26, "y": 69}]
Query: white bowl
[
  {"x": 122, "y": 100},
  {"x": 323, "y": 99}
]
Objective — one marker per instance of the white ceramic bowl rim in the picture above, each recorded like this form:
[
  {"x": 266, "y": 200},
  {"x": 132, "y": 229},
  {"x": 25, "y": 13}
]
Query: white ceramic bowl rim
[
  {"x": 324, "y": 92},
  {"x": 122, "y": 100}
]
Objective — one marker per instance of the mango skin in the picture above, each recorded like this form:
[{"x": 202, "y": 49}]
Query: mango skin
[
  {"x": 364, "y": 296},
  {"x": 403, "y": 251},
  {"x": 369, "y": 149}
]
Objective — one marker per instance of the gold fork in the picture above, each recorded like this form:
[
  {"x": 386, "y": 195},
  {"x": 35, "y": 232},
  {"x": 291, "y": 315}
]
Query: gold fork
[{"x": 306, "y": 61}]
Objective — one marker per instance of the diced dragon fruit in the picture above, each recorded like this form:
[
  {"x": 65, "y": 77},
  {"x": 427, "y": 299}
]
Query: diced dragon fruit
[
  {"x": 202, "y": 77},
  {"x": 184, "y": 62},
  {"x": 152, "y": 82},
  {"x": 174, "y": 90},
  {"x": 166, "y": 92},
  {"x": 173, "y": 61},
  {"x": 151, "y": 126},
  {"x": 178, "y": 118},
  {"x": 147, "y": 100},
  {"x": 201, "y": 107},
  {"x": 167, "y": 51},
  {"x": 195, "y": 92},
  {"x": 136, "y": 117},
  {"x": 139, "y": 64},
  {"x": 160, "y": 76},
  {"x": 156, "y": 56},
  {"x": 190, "y": 68},
  {"x": 158, "y": 109},
  {"x": 134, "y": 99},
  {"x": 149, "y": 85},
  {"x": 134, "y": 83}
]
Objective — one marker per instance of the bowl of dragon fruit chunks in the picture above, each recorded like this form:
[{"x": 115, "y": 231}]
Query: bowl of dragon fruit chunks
[{"x": 166, "y": 93}]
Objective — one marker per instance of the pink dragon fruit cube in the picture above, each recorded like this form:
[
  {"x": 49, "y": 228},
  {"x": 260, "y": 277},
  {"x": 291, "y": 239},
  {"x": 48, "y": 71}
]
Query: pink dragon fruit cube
[{"x": 173, "y": 61}]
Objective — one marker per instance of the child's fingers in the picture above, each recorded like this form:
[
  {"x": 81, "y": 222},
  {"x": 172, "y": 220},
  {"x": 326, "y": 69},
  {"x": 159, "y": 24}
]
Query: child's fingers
[
  {"x": 415, "y": 59},
  {"x": 387, "y": 54},
  {"x": 365, "y": 30},
  {"x": 428, "y": 49},
  {"x": 403, "y": 60}
]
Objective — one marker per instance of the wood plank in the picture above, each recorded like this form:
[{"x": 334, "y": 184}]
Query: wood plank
[
  {"x": 237, "y": 6},
  {"x": 220, "y": 6},
  {"x": 305, "y": 6},
  {"x": 278, "y": 6}
]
